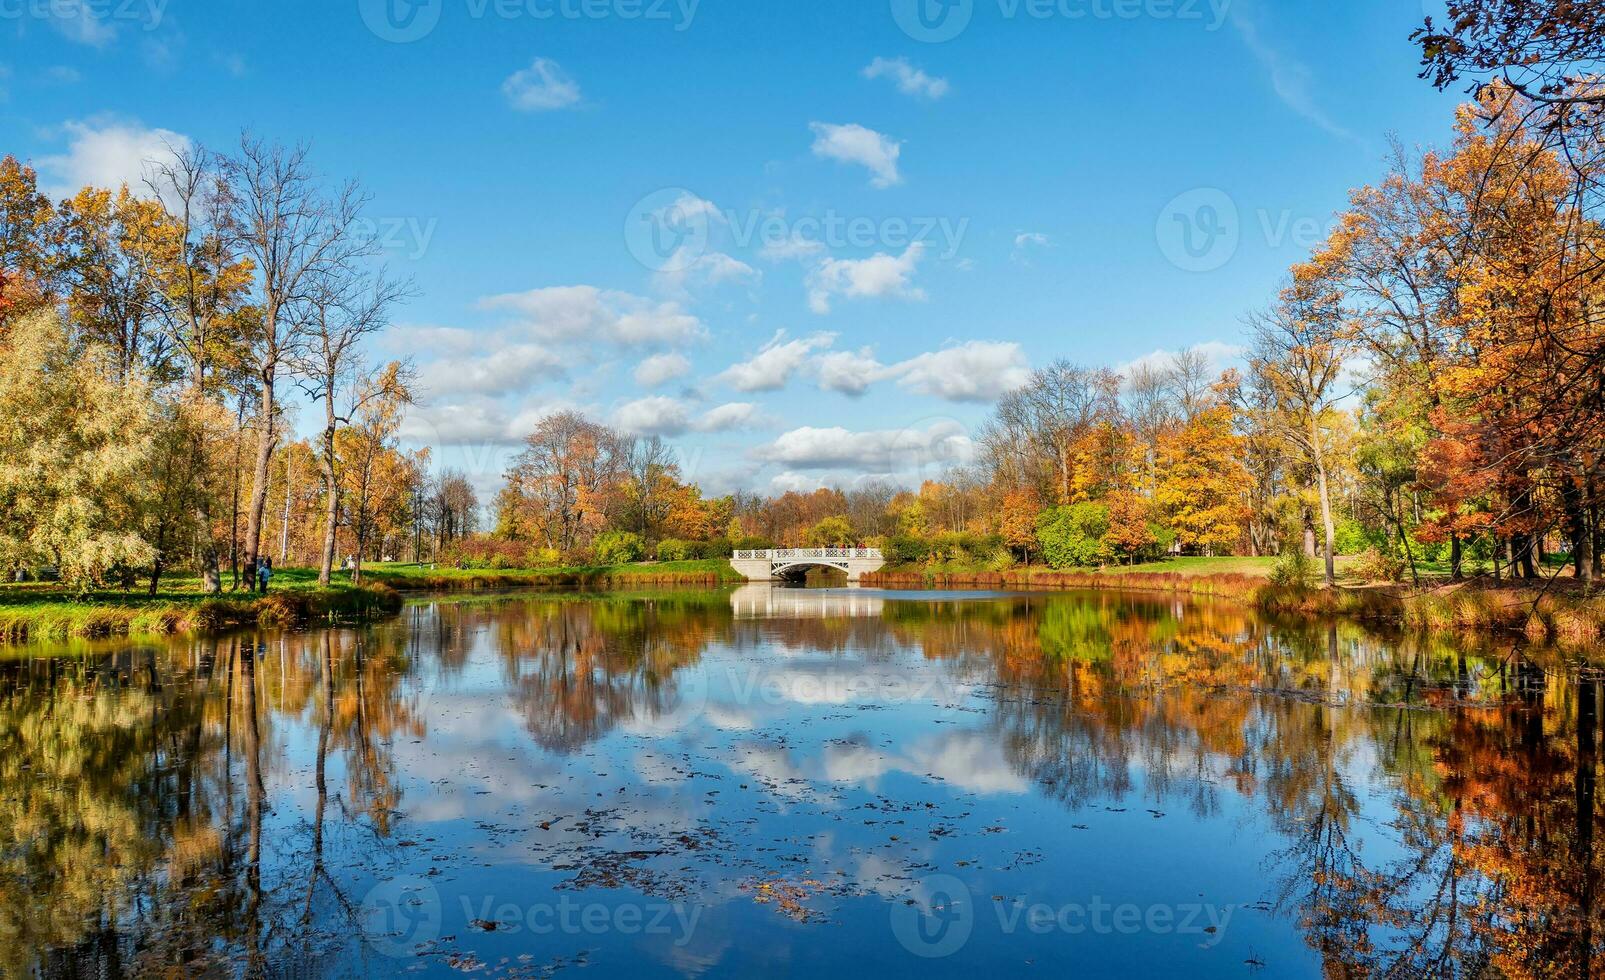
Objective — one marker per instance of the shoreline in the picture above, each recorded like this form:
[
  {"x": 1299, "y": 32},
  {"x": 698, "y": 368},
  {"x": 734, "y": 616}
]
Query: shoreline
[{"x": 1474, "y": 604}]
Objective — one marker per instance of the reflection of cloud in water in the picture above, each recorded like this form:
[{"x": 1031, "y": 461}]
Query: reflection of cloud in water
[
  {"x": 971, "y": 761},
  {"x": 968, "y": 761}
]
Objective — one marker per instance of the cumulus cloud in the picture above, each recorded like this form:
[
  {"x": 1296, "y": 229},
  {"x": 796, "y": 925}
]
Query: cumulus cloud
[
  {"x": 685, "y": 271},
  {"x": 108, "y": 154},
  {"x": 511, "y": 368},
  {"x": 566, "y": 314},
  {"x": 884, "y": 450},
  {"x": 879, "y": 276},
  {"x": 855, "y": 144},
  {"x": 910, "y": 80},
  {"x": 849, "y": 372},
  {"x": 655, "y": 415},
  {"x": 978, "y": 371},
  {"x": 662, "y": 416},
  {"x": 774, "y": 365},
  {"x": 728, "y": 417},
  {"x": 660, "y": 368},
  {"x": 472, "y": 422},
  {"x": 541, "y": 87}
]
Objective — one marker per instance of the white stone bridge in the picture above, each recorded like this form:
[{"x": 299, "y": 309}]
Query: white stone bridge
[{"x": 794, "y": 563}]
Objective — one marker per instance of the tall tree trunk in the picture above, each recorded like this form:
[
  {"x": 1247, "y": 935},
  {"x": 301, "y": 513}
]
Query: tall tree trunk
[
  {"x": 284, "y": 525},
  {"x": 266, "y": 438},
  {"x": 331, "y": 512},
  {"x": 1454, "y": 558},
  {"x": 1326, "y": 507}
]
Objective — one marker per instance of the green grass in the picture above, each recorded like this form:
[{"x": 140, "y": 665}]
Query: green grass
[{"x": 45, "y": 611}]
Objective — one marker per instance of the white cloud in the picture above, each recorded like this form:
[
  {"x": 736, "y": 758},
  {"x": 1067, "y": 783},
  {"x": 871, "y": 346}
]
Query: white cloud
[
  {"x": 728, "y": 417},
  {"x": 853, "y": 143},
  {"x": 885, "y": 450},
  {"x": 108, "y": 155},
  {"x": 568, "y": 314},
  {"x": 654, "y": 415},
  {"x": 462, "y": 423},
  {"x": 910, "y": 80},
  {"x": 63, "y": 75},
  {"x": 977, "y": 371},
  {"x": 510, "y": 368},
  {"x": 791, "y": 482},
  {"x": 881, "y": 275},
  {"x": 659, "y": 368},
  {"x": 1219, "y": 354},
  {"x": 541, "y": 87},
  {"x": 773, "y": 366},
  {"x": 849, "y": 372},
  {"x": 663, "y": 416},
  {"x": 683, "y": 271}
]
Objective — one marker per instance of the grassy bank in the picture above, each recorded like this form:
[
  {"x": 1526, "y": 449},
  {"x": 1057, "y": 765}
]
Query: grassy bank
[
  {"x": 40, "y": 612},
  {"x": 1559, "y": 615}
]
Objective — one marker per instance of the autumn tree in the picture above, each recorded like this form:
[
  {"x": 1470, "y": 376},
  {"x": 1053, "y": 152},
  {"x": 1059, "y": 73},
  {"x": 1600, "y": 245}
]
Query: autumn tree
[
  {"x": 298, "y": 237},
  {"x": 1200, "y": 490},
  {"x": 1298, "y": 358},
  {"x": 76, "y": 445}
]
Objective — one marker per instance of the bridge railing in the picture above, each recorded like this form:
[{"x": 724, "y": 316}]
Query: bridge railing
[{"x": 805, "y": 554}]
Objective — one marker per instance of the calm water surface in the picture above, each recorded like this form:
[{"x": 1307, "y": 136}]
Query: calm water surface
[{"x": 799, "y": 782}]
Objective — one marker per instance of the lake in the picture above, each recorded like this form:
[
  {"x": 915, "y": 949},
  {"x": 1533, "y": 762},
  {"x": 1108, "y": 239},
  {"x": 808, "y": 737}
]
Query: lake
[{"x": 774, "y": 782}]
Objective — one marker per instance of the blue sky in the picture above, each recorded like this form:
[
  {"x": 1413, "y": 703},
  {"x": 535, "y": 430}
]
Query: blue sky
[{"x": 801, "y": 241}]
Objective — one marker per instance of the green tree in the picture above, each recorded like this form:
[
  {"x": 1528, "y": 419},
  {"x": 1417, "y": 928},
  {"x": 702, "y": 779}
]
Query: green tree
[
  {"x": 76, "y": 455},
  {"x": 1074, "y": 535}
]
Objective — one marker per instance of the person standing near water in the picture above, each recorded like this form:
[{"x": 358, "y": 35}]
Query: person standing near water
[{"x": 264, "y": 572}]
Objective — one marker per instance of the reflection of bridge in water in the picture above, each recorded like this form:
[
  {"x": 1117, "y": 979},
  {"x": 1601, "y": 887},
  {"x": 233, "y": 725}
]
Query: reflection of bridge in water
[
  {"x": 793, "y": 563},
  {"x": 760, "y": 600}
]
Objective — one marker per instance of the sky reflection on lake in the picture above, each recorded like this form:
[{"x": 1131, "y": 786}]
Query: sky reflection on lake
[{"x": 789, "y": 782}]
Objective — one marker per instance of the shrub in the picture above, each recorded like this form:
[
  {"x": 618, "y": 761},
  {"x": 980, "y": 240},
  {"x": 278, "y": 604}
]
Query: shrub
[
  {"x": 906, "y": 549},
  {"x": 618, "y": 548},
  {"x": 1293, "y": 570},
  {"x": 673, "y": 549},
  {"x": 1374, "y": 566},
  {"x": 1000, "y": 560},
  {"x": 1074, "y": 535}
]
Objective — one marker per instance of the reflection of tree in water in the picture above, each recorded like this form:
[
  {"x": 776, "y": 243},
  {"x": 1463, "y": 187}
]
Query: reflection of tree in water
[
  {"x": 134, "y": 815},
  {"x": 1488, "y": 764},
  {"x": 577, "y": 669}
]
